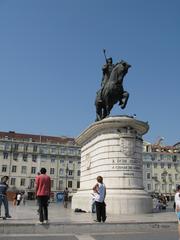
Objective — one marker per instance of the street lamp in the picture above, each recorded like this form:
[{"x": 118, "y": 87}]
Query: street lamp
[
  {"x": 165, "y": 173},
  {"x": 67, "y": 170}
]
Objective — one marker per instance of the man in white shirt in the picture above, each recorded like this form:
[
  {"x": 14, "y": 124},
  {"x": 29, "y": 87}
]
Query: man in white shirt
[
  {"x": 177, "y": 209},
  {"x": 177, "y": 197},
  {"x": 100, "y": 189}
]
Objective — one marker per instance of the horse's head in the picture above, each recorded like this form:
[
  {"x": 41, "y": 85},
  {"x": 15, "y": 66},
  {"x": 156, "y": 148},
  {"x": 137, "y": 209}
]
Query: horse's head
[
  {"x": 125, "y": 64},
  {"x": 119, "y": 71}
]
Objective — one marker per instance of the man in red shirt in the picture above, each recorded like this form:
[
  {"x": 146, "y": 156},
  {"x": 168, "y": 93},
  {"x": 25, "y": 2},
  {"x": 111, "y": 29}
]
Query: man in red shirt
[{"x": 43, "y": 191}]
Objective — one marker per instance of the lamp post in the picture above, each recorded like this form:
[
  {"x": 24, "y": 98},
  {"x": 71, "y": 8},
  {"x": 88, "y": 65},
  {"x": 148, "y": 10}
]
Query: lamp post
[
  {"x": 165, "y": 173},
  {"x": 67, "y": 170}
]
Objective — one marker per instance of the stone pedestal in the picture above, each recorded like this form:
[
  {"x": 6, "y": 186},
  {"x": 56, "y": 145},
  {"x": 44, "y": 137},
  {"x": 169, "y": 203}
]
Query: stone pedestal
[{"x": 112, "y": 148}]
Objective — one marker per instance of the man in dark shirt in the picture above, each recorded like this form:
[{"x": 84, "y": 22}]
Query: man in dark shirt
[
  {"x": 66, "y": 196},
  {"x": 3, "y": 196}
]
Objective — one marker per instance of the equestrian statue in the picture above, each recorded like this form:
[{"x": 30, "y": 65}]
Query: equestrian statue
[{"x": 112, "y": 90}]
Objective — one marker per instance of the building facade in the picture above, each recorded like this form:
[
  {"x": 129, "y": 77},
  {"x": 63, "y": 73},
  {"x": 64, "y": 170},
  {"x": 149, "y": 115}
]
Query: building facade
[
  {"x": 161, "y": 168},
  {"x": 23, "y": 155}
]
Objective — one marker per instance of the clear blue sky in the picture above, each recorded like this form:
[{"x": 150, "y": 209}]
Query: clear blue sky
[{"x": 51, "y": 58}]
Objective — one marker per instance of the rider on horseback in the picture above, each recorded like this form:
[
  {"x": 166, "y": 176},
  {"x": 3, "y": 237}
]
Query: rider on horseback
[
  {"x": 106, "y": 69},
  {"x": 112, "y": 90}
]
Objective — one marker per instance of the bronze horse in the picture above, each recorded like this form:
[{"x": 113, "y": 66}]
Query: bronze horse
[{"x": 112, "y": 92}]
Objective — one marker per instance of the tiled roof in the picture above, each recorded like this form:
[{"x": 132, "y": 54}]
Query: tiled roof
[
  {"x": 164, "y": 148},
  {"x": 36, "y": 138}
]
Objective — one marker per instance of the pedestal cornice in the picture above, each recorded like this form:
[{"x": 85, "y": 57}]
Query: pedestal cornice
[{"x": 116, "y": 122}]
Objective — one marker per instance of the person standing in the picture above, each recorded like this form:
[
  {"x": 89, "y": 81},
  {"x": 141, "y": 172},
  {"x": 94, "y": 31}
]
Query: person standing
[
  {"x": 3, "y": 196},
  {"x": 0, "y": 210},
  {"x": 93, "y": 202},
  {"x": 15, "y": 199},
  {"x": 43, "y": 191},
  {"x": 19, "y": 197},
  {"x": 177, "y": 207},
  {"x": 100, "y": 189},
  {"x": 38, "y": 173},
  {"x": 66, "y": 197},
  {"x": 24, "y": 198}
]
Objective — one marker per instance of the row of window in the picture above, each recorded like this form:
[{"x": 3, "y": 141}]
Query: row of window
[
  {"x": 162, "y": 165},
  {"x": 15, "y": 156},
  {"x": 25, "y": 157},
  {"x": 14, "y": 169},
  {"x": 162, "y": 175},
  {"x": 31, "y": 185},
  {"x": 34, "y": 170},
  {"x": 39, "y": 148},
  {"x": 168, "y": 188},
  {"x": 161, "y": 157}
]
